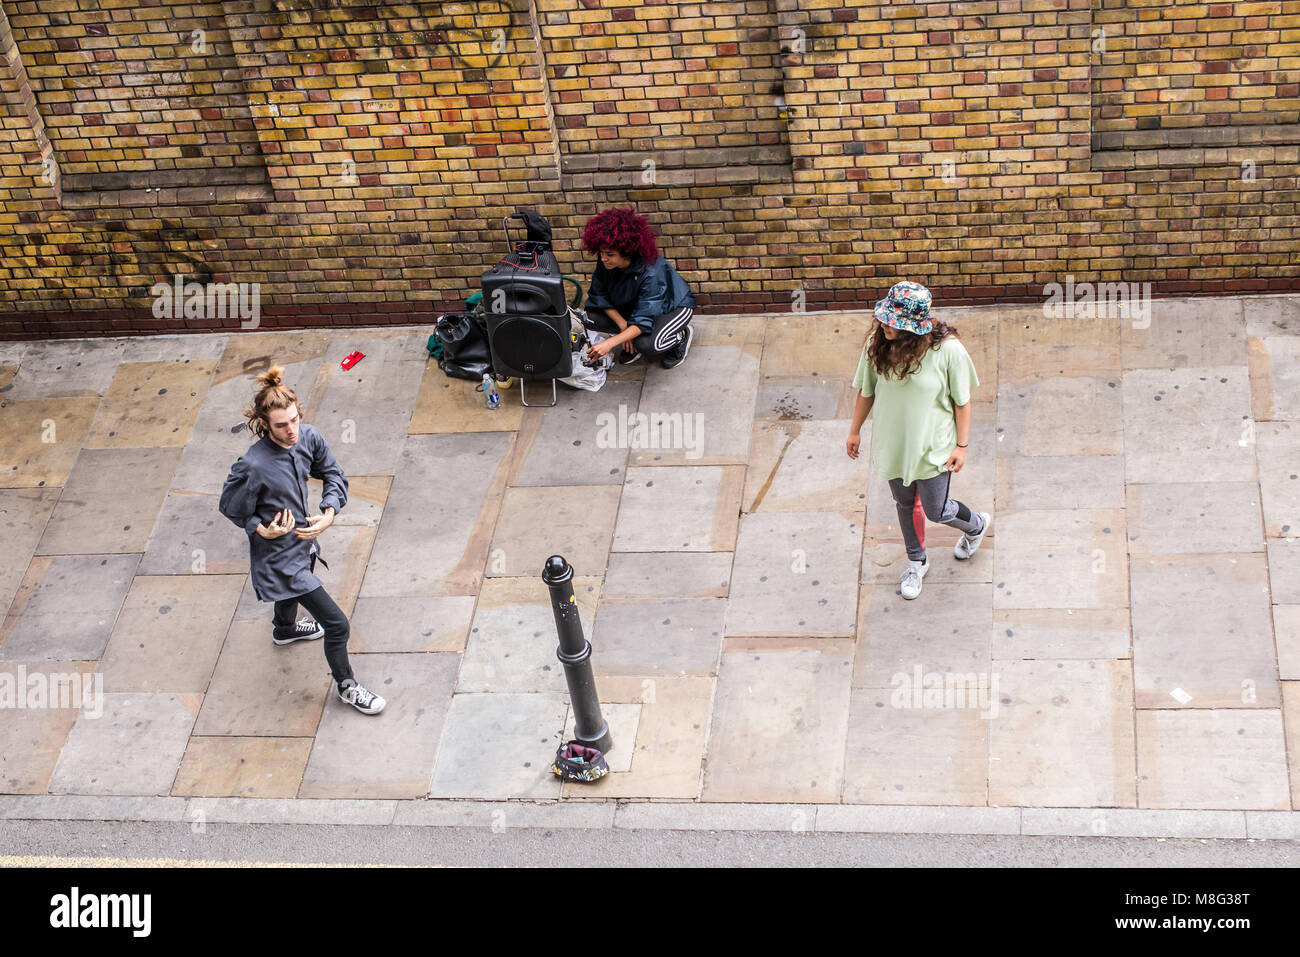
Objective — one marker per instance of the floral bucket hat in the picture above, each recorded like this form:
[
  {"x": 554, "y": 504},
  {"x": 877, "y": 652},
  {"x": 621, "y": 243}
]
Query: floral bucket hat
[{"x": 906, "y": 307}]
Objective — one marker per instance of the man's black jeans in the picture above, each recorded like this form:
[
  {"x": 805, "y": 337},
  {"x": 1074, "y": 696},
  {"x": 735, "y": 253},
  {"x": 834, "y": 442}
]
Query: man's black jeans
[{"x": 330, "y": 617}]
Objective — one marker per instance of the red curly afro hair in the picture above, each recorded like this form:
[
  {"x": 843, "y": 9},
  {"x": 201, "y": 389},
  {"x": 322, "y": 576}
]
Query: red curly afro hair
[{"x": 623, "y": 230}]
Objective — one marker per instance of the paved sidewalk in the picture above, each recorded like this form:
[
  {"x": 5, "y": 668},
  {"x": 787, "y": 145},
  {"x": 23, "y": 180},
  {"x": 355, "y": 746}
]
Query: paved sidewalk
[{"x": 1127, "y": 638}]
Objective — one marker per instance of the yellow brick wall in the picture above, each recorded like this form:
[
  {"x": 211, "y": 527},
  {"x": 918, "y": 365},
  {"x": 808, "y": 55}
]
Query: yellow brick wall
[{"x": 356, "y": 158}]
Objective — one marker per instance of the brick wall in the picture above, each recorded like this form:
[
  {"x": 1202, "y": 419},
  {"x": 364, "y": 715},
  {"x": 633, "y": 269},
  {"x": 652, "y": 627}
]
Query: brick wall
[{"x": 355, "y": 159}]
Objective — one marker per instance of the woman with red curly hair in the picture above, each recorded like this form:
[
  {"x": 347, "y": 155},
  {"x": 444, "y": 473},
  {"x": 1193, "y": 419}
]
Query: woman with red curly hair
[{"x": 636, "y": 296}]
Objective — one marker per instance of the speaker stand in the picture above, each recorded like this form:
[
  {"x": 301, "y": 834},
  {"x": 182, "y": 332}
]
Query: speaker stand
[{"x": 535, "y": 405}]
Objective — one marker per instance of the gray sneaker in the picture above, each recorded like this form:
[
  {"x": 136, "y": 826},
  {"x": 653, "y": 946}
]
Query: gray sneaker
[
  {"x": 967, "y": 544},
  {"x": 364, "y": 701},
  {"x": 911, "y": 584}
]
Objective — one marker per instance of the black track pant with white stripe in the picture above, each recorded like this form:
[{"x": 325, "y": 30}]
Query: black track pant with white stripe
[{"x": 663, "y": 337}]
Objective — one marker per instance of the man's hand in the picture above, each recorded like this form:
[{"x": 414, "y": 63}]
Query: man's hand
[
  {"x": 852, "y": 443},
  {"x": 281, "y": 526},
  {"x": 317, "y": 524},
  {"x": 956, "y": 460}
]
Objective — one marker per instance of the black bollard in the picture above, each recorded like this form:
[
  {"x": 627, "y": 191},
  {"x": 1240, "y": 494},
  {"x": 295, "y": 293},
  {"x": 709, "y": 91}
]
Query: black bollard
[{"x": 589, "y": 728}]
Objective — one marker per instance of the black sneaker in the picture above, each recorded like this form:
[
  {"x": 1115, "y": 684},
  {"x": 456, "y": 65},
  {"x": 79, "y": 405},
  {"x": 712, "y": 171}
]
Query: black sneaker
[
  {"x": 305, "y": 629},
  {"x": 364, "y": 701},
  {"x": 678, "y": 355},
  {"x": 626, "y": 358}
]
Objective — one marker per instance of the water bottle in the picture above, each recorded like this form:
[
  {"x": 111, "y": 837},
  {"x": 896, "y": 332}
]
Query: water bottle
[{"x": 490, "y": 392}]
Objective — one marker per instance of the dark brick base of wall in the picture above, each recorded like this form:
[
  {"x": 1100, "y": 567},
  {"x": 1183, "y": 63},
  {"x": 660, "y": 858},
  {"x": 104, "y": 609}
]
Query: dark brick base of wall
[{"x": 141, "y": 322}]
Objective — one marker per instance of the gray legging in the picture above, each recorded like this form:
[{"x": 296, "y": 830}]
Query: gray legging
[{"x": 938, "y": 508}]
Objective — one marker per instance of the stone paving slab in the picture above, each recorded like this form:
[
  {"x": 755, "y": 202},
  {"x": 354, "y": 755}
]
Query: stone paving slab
[
  {"x": 436, "y": 529},
  {"x": 1291, "y": 728},
  {"x": 25, "y": 513},
  {"x": 1133, "y": 822},
  {"x": 525, "y": 729},
  {"x": 411, "y": 624},
  {"x": 535, "y": 523},
  {"x": 191, "y": 536},
  {"x": 42, "y": 439},
  {"x": 1060, "y": 558},
  {"x": 1061, "y": 633},
  {"x": 133, "y": 748},
  {"x": 658, "y": 636},
  {"x": 512, "y": 640},
  {"x": 242, "y": 767},
  {"x": 578, "y": 441},
  {"x": 169, "y": 633},
  {"x": 1186, "y": 333},
  {"x": 260, "y": 689},
  {"x": 1278, "y": 451},
  {"x": 365, "y": 412},
  {"x": 150, "y": 404},
  {"x": 847, "y": 818},
  {"x": 685, "y": 508},
  {"x": 777, "y": 698},
  {"x": 1284, "y": 570},
  {"x": 667, "y": 750},
  {"x": 1226, "y": 758},
  {"x": 446, "y": 406},
  {"x": 1062, "y": 735},
  {"x": 668, "y": 574},
  {"x": 1193, "y": 424},
  {"x": 902, "y": 752},
  {"x": 1201, "y": 624},
  {"x": 1275, "y": 378},
  {"x": 66, "y": 606},
  {"x": 35, "y": 730},
  {"x": 947, "y": 633},
  {"x": 795, "y": 573},
  {"x": 61, "y": 368},
  {"x": 789, "y": 470},
  {"x": 391, "y": 754},
  {"x": 711, "y": 409},
  {"x": 1060, "y": 481},
  {"x": 110, "y": 501},
  {"x": 1189, "y": 517}
]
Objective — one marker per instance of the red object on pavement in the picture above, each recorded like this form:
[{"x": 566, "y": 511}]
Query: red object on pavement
[
  {"x": 918, "y": 520},
  {"x": 351, "y": 359}
]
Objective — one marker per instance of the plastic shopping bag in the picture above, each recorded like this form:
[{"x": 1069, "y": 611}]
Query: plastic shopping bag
[{"x": 589, "y": 377}]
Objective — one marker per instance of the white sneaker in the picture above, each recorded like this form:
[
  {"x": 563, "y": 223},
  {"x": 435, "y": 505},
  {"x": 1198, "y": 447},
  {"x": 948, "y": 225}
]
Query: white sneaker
[
  {"x": 364, "y": 701},
  {"x": 911, "y": 584},
  {"x": 967, "y": 544}
]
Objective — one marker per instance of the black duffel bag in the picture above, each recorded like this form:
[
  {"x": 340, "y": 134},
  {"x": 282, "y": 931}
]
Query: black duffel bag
[{"x": 465, "y": 353}]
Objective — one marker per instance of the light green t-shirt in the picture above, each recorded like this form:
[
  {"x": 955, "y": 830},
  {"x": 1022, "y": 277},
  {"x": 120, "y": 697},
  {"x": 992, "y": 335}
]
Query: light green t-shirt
[{"x": 914, "y": 428}]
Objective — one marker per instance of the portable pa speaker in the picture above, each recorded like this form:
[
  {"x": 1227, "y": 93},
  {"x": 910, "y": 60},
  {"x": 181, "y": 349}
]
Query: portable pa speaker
[
  {"x": 530, "y": 347},
  {"x": 526, "y": 283}
]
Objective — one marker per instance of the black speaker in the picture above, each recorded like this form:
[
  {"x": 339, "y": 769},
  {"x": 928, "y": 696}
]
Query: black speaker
[
  {"x": 526, "y": 283},
  {"x": 530, "y": 347}
]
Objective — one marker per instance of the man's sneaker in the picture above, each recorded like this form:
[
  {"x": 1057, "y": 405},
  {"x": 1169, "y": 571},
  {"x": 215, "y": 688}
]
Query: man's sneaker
[
  {"x": 967, "y": 544},
  {"x": 352, "y": 693},
  {"x": 911, "y": 584},
  {"x": 678, "y": 355},
  {"x": 626, "y": 358},
  {"x": 304, "y": 629}
]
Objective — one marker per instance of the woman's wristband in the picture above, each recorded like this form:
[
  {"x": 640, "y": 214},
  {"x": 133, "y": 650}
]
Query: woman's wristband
[{"x": 960, "y": 446}]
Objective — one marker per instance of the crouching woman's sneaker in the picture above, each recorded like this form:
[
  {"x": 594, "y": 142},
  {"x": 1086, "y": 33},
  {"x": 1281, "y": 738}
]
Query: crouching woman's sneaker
[
  {"x": 364, "y": 701},
  {"x": 911, "y": 583}
]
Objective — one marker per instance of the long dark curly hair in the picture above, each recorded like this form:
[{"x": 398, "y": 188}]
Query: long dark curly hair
[
  {"x": 903, "y": 356},
  {"x": 623, "y": 230}
]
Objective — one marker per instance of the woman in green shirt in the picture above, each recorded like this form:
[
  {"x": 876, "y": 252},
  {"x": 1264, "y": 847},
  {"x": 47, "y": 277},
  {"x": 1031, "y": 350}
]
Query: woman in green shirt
[{"x": 917, "y": 375}]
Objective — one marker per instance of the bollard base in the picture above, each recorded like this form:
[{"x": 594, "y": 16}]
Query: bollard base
[{"x": 602, "y": 742}]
